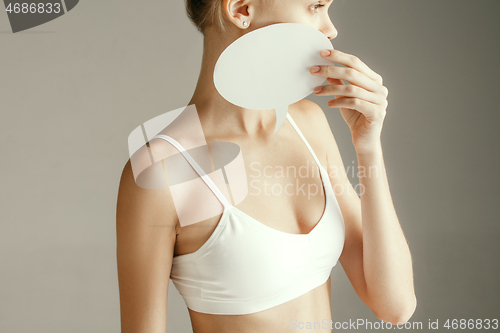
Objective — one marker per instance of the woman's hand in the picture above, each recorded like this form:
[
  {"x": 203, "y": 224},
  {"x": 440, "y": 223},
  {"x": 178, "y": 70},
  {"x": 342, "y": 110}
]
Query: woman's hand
[{"x": 362, "y": 104}]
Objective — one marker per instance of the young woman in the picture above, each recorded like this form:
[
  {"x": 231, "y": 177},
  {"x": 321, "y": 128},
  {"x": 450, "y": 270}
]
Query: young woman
[{"x": 264, "y": 266}]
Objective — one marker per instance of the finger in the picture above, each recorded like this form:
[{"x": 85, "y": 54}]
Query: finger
[
  {"x": 349, "y": 74},
  {"x": 369, "y": 110},
  {"x": 349, "y": 91},
  {"x": 352, "y": 61},
  {"x": 335, "y": 82},
  {"x": 332, "y": 80}
]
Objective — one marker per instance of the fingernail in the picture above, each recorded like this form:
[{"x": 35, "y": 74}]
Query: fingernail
[
  {"x": 318, "y": 89},
  {"x": 315, "y": 69},
  {"x": 325, "y": 53}
]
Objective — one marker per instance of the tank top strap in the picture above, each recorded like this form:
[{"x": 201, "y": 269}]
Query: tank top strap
[
  {"x": 197, "y": 168},
  {"x": 294, "y": 125}
]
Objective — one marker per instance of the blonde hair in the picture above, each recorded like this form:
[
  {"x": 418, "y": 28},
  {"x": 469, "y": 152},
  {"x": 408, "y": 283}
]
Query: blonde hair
[{"x": 205, "y": 13}]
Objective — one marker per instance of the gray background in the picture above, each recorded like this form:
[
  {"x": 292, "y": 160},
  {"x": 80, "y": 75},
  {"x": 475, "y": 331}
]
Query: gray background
[{"x": 73, "y": 89}]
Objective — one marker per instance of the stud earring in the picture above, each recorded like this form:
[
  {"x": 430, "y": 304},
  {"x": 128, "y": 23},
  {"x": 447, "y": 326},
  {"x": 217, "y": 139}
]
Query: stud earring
[{"x": 245, "y": 24}]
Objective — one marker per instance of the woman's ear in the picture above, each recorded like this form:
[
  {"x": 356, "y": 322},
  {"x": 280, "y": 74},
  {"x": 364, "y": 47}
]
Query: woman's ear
[{"x": 237, "y": 12}]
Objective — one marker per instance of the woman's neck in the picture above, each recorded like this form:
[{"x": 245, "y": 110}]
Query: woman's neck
[{"x": 214, "y": 110}]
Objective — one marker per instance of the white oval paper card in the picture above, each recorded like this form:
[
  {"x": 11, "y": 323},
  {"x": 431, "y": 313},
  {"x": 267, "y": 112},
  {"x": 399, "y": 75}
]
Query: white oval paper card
[{"x": 268, "y": 68}]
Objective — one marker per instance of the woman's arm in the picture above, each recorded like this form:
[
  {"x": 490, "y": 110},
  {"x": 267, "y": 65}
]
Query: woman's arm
[
  {"x": 376, "y": 257},
  {"x": 387, "y": 261},
  {"x": 145, "y": 232}
]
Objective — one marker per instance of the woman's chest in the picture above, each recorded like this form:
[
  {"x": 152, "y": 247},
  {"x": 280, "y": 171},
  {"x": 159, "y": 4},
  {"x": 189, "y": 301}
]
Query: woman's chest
[{"x": 283, "y": 189}]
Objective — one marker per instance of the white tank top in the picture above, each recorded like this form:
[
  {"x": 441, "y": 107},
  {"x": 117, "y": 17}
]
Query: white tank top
[{"x": 245, "y": 266}]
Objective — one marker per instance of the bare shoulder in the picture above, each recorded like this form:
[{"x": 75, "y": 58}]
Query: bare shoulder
[
  {"x": 144, "y": 215},
  {"x": 145, "y": 239},
  {"x": 308, "y": 109},
  {"x": 312, "y": 121},
  {"x": 140, "y": 205}
]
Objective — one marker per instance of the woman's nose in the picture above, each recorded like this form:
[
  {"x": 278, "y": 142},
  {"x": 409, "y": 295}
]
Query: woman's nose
[{"x": 330, "y": 31}]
